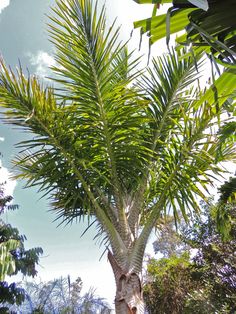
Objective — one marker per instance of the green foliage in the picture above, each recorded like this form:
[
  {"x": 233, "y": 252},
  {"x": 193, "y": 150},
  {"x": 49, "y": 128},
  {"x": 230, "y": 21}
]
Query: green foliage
[
  {"x": 227, "y": 134},
  {"x": 7, "y": 262},
  {"x": 204, "y": 284},
  {"x": 209, "y": 26},
  {"x": 216, "y": 257},
  {"x": 228, "y": 191},
  {"x": 14, "y": 258},
  {"x": 5, "y": 200},
  {"x": 23, "y": 260},
  {"x": 171, "y": 279},
  {"x": 168, "y": 240},
  {"x": 164, "y": 265},
  {"x": 223, "y": 212},
  {"x": 10, "y": 294}
]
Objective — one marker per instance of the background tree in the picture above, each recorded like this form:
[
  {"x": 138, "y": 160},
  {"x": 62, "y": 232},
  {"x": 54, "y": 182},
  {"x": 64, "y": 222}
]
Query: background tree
[
  {"x": 168, "y": 240},
  {"x": 168, "y": 282},
  {"x": 204, "y": 284},
  {"x": 111, "y": 143},
  {"x": 14, "y": 258},
  {"x": 60, "y": 296}
]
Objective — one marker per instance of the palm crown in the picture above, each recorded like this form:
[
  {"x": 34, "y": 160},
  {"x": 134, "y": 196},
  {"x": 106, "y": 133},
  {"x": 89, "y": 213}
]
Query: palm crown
[{"x": 110, "y": 141}]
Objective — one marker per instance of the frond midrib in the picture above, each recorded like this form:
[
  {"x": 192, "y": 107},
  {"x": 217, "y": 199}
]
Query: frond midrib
[{"x": 123, "y": 223}]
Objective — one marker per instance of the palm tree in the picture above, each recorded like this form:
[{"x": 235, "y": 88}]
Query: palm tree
[
  {"x": 61, "y": 296},
  {"x": 112, "y": 143}
]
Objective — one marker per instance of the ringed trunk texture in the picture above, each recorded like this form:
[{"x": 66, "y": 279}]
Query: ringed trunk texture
[{"x": 129, "y": 294}]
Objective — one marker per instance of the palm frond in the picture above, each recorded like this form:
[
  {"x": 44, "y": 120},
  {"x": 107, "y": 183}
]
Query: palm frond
[
  {"x": 184, "y": 164},
  {"x": 209, "y": 28},
  {"x": 80, "y": 152}
]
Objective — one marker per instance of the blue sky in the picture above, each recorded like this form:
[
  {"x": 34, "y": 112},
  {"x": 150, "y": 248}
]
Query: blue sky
[{"x": 23, "y": 37}]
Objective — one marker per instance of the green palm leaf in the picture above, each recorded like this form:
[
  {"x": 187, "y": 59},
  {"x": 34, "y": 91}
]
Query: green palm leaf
[{"x": 209, "y": 26}]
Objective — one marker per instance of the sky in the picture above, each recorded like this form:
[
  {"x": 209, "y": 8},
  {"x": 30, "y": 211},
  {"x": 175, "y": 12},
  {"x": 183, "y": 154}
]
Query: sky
[{"x": 23, "y": 36}]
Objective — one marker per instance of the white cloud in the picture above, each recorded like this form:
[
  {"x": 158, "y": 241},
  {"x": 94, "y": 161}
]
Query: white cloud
[
  {"x": 4, "y": 4},
  {"x": 2, "y": 139},
  {"x": 43, "y": 61},
  {"x": 5, "y": 177}
]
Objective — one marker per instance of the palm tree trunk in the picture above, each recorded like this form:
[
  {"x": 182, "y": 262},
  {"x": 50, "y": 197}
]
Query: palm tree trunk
[
  {"x": 129, "y": 299},
  {"x": 129, "y": 293}
]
